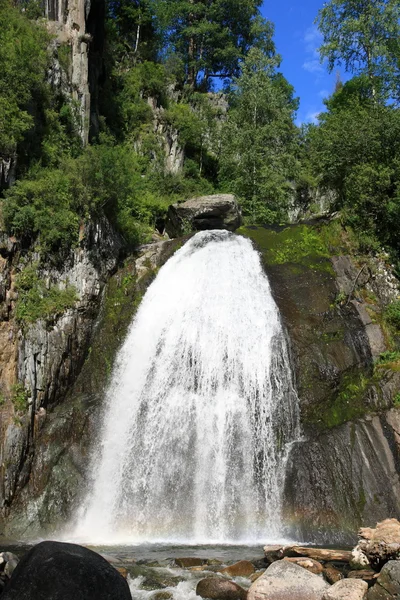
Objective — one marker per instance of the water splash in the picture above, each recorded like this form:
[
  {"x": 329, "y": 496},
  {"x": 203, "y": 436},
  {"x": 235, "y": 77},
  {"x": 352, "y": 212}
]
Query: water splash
[{"x": 200, "y": 409}]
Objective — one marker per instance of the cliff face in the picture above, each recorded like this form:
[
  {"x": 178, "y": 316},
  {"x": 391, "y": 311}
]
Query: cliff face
[
  {"x": 39, "y": 361},
  {"x": 345, "y": 471},
  {"x": 49, "y": 461},
  {"x": 78, "y": 29}
]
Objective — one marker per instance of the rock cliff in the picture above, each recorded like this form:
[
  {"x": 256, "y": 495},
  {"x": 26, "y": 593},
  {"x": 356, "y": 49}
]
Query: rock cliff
[
  {"x": 40, "y": 360},
  {"x": 78, "y": 30},
  {"x": 345, "y": 470},
  {"x": 66, "y": 366}
]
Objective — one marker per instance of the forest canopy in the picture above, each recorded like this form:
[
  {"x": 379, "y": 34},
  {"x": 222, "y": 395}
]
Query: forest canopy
[{"x": 205, "y": 74}]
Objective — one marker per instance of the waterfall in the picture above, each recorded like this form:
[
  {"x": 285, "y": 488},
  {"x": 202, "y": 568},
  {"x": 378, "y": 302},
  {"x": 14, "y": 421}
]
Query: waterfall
[{"x": 201, "y": 407}]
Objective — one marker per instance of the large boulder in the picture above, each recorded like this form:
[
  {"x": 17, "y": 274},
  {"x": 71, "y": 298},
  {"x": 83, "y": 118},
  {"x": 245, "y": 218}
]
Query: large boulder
[
  {"x": 58, "y": 571},
  {"x": 387, "y": 586},
  {"x": 284, "y": 580},
  {"x": 347, "y": 589},
  {"x": 219, "y": 588},
  {"x": 220, "y": 211}
]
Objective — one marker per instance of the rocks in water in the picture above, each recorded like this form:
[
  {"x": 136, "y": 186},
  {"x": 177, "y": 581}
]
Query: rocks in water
[
  {"x": 322, "y": 554},
  {"x": 219, "y": 588},
  {"x": 332, "y": 574},
  {"x": 220, "y": 211},
  {"x": 122, "y": 572},
  {"x": 276, "y": 552},
  {"x": 256, "y": 575},
  {"x": 387, "y": 586},
  {"x": 284, "y": 580},
  {"x": 185, "y": 563},
  {"x": 377, "y": 546},
  {"x": 307, "y": 563},
  {"x": 8, "y": 563},
  {"x": 347, "y": 589},
  {"x": 367, "y": 575},
  {"x": 243, "y": 568},
  {"x": 63, "y": 571},
  {"x": 162, "y": 596}
]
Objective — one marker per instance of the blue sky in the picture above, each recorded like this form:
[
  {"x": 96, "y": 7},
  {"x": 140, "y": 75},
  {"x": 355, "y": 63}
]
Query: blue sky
[{"x": 297, "y": 40}]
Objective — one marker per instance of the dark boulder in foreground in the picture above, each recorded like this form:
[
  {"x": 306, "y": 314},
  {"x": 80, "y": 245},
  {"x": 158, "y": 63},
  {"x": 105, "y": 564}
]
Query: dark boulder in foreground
[
  {"x": 58, "y": 571},
  {"x": 220, "y": 211}
]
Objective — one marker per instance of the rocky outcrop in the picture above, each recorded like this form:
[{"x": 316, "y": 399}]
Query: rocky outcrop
[
  {"x": 344, "y": 476},
  {"x": 39, "y": 361},
  {"x": 65, "y": 571},
  {"x": 220, "y": 211},
  {"x": 78, "y": 30},
  {"x": 47, "y": 458},
  {"x": 345, "y": 470}
]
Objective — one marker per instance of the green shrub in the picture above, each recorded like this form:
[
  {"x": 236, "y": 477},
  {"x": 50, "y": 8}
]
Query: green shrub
[
  {"x": 44, "y": 206},
  {"x": 36, "y": 301},
  {"x": 23, "y": 62},
  {"x": 392, "y": 314},
  {"x": 19, "y": 397}
]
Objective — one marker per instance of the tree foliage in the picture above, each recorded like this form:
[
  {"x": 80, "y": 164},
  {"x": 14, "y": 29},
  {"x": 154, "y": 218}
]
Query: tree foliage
[
  {"x": 364, "y": 35},
  {"x": 259, "y": 140},
  {"x": 355, "y": 151},
  {"x": 23, "y": 62},
  {"x": 212, "y": 37}
]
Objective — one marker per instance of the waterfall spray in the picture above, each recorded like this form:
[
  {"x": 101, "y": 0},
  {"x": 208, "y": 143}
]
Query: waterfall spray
[{"x": 200, "y": 409}]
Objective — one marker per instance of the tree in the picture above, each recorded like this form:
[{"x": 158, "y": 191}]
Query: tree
[
  {"x": 130, "y": 30},
  {"x": 259, "y": 139},
  {"x": 364, "y": 35},
  {"x": 212, "y": 36},
  {"x": 355, "y": 151},
  {"x": 23, "y": 62}
]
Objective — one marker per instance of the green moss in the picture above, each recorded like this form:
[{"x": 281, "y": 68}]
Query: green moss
[
  {"x": 37, "y": 301},
  {"x": 348, "y": 403},
  {"x": 396, "y": 400},
  {"x": 302, "y": 246}
]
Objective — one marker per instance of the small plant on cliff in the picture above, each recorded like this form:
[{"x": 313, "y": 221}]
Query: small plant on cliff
[
  {"x": 392, "y": 314},
  {"x": 396, "y": 400},
  {"x": 19, "y": 397},
  {"x": 38, "y": 301}
]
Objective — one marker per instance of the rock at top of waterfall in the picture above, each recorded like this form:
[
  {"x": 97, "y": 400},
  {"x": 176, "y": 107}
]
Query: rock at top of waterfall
[{"x": 219, "y": 211}]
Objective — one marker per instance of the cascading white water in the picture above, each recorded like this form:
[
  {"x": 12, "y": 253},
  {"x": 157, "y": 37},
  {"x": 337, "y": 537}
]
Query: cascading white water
[{"x": 200, "y": 408}]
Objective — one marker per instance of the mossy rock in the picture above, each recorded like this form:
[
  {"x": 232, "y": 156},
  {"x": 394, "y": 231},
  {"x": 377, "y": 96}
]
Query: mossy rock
[{"x": 328, "y": 340}]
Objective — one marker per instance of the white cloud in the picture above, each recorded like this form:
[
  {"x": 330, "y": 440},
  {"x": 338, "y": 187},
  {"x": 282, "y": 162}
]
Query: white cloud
[
  {"x": 312, "y": 40},
  {"x": 323, "y": 94},
  {"x": 312, "y": 116},
  {"x": 313, "y": 66}
]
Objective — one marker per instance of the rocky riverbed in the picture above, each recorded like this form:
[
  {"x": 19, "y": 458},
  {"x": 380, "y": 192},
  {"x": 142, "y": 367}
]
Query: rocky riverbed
[{"x": 370, "y": 571}]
